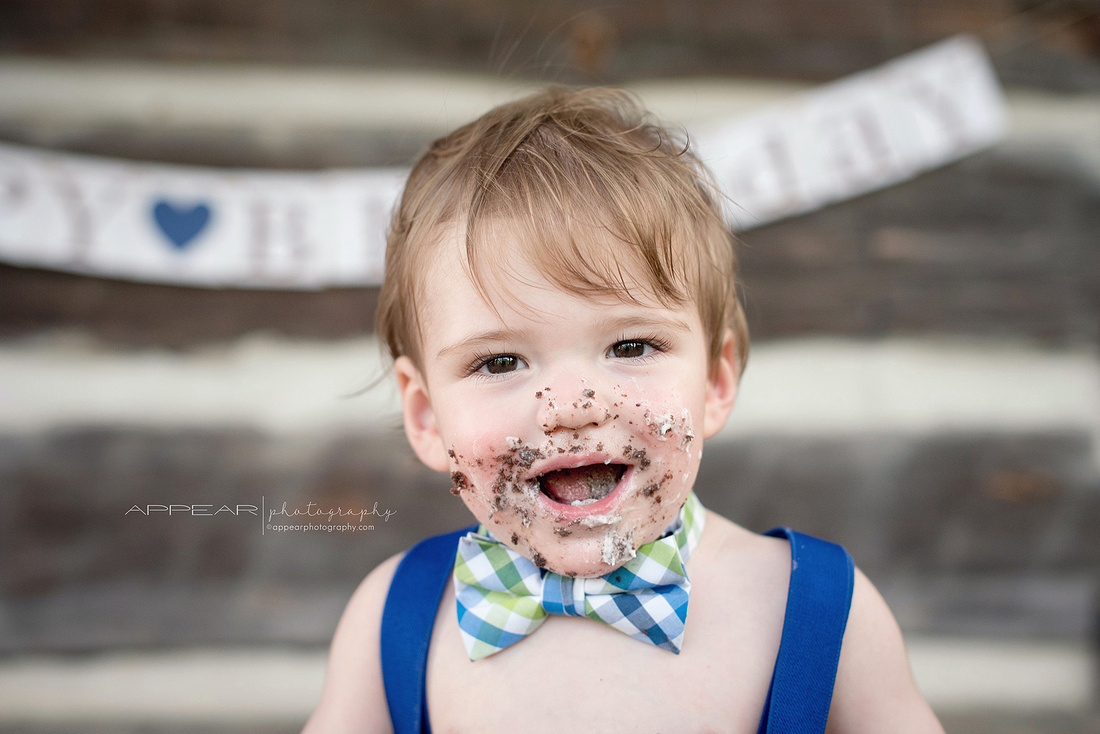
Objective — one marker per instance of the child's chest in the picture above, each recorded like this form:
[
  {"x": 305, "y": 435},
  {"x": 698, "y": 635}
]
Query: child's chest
[{"x": 582, "y": 675}]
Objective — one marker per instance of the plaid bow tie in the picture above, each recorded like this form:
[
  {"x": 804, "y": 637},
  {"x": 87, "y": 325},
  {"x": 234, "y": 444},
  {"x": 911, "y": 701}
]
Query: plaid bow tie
[{"x": 503, "y": 596}]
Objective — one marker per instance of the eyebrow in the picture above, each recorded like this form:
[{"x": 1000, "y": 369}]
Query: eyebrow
[
  {"x": 479, "y": 340},
  {"x": 675, "y": 323},
  {"x": 493, "y": 337}
]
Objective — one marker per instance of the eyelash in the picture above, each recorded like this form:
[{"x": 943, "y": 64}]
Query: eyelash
[
  {"x": 480, "y": 359},
  {"x": 655, "y": 342}
]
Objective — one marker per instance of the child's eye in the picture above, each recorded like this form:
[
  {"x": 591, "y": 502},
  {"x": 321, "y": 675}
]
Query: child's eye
[
  {"x": 630, "y": 349},
  {"x": 500, "y": 364}
]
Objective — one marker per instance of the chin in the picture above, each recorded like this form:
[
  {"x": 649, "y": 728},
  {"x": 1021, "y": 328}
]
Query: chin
[{"x": 585, "y": 562}]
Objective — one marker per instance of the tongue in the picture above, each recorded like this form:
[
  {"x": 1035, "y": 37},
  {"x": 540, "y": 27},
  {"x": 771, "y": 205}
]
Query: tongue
[{"x": 583, "y": 483}]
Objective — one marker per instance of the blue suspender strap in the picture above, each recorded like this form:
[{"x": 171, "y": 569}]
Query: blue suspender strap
[
  {"x": 818, "y": 599},
  {"x": 407, "y": 621}
]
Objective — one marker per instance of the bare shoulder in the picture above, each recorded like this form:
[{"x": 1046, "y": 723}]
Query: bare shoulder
[
  {"x": 875, "y": 690},
  {"x": 353, "y": 698},
  {"x": 740, "y": 558},
  {"x": 746, "y": 576},
  {"x": 739, "y": 585}
]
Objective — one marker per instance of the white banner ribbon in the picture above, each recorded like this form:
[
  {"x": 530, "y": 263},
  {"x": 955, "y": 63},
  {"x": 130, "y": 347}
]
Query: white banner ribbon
[
  {"x": 258, "y": 229},
  {"x": 861, "y": 133}
]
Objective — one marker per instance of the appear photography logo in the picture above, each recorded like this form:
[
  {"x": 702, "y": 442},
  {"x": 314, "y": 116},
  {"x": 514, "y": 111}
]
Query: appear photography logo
[{"x": 287, "y": 518}]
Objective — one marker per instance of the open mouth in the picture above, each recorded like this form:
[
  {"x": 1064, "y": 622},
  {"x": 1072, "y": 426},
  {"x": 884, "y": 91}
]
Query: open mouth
[{"x": 581, "y": 485}]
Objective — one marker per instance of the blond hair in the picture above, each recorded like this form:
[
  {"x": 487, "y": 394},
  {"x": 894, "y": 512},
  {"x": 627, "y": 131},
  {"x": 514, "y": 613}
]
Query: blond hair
[{"x": 602, "y": 200}]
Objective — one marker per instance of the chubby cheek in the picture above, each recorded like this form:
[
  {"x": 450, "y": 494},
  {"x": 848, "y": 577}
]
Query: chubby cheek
[
  {"x": 477, "y": 447},
  {"x": 662, "y": 443},
  {"x": 484, "y": 476},
  {"x": 492, "y": 483}
]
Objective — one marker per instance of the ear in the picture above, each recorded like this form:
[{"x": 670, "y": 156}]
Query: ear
[
  {"x": 722, "y": 385},
  {"x": 416, "y": 408}
]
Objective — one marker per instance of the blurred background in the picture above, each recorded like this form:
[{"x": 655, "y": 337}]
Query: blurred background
[{"x": 924, "y": 384}]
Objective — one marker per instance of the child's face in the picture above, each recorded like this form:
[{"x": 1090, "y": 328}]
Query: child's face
[{"x": 572, "y": 427}]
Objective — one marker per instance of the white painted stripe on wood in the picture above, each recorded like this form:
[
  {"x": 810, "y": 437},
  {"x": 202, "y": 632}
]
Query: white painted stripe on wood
[
  {"x": 195, "y": 686},
  {"x": 276, "y": 100},
  {"x": 265, "y": 685},
  {"x": 956, "y": 674},
  {"x": 268, "y": 384},
  {"x": 259, "y": 97},
  {"x": 822, "y": 385},
  {"x": 807, "y": 386}
]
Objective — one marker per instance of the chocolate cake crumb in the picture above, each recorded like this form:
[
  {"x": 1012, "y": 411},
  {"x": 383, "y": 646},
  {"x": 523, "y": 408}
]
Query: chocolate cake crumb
[
  {"x": 588, "y": 393},
  {"x": 638, "y": 455},
  {"x": 538, "y": 560},
  {"x": 527, "y": 456},
  {"x": 458, "y": 482}
]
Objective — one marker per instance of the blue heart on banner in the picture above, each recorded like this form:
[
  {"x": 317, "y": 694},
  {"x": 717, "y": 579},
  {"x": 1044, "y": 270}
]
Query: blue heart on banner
[{"x": 180, "y": 225}]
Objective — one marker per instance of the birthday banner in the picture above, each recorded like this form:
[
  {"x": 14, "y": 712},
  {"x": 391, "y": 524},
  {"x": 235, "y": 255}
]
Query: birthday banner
[
  {"x": 264, "y": 229},
  {"x": 859, "y": 134}
]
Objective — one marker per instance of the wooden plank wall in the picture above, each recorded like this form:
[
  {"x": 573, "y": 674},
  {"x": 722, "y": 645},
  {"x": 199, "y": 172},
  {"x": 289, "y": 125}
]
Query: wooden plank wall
[{"x": 990, "y": 530}]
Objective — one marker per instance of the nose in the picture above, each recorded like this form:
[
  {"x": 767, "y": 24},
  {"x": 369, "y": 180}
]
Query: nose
[{"x": 572, "y": 405}]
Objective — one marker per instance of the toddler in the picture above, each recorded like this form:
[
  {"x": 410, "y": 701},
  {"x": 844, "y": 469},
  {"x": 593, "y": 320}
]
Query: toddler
[{"x": 560, "y": 301}]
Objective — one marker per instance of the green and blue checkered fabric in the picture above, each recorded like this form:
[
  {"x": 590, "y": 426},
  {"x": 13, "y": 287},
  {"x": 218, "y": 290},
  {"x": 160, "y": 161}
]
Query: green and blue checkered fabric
[{"x": 503, "y": 597}]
